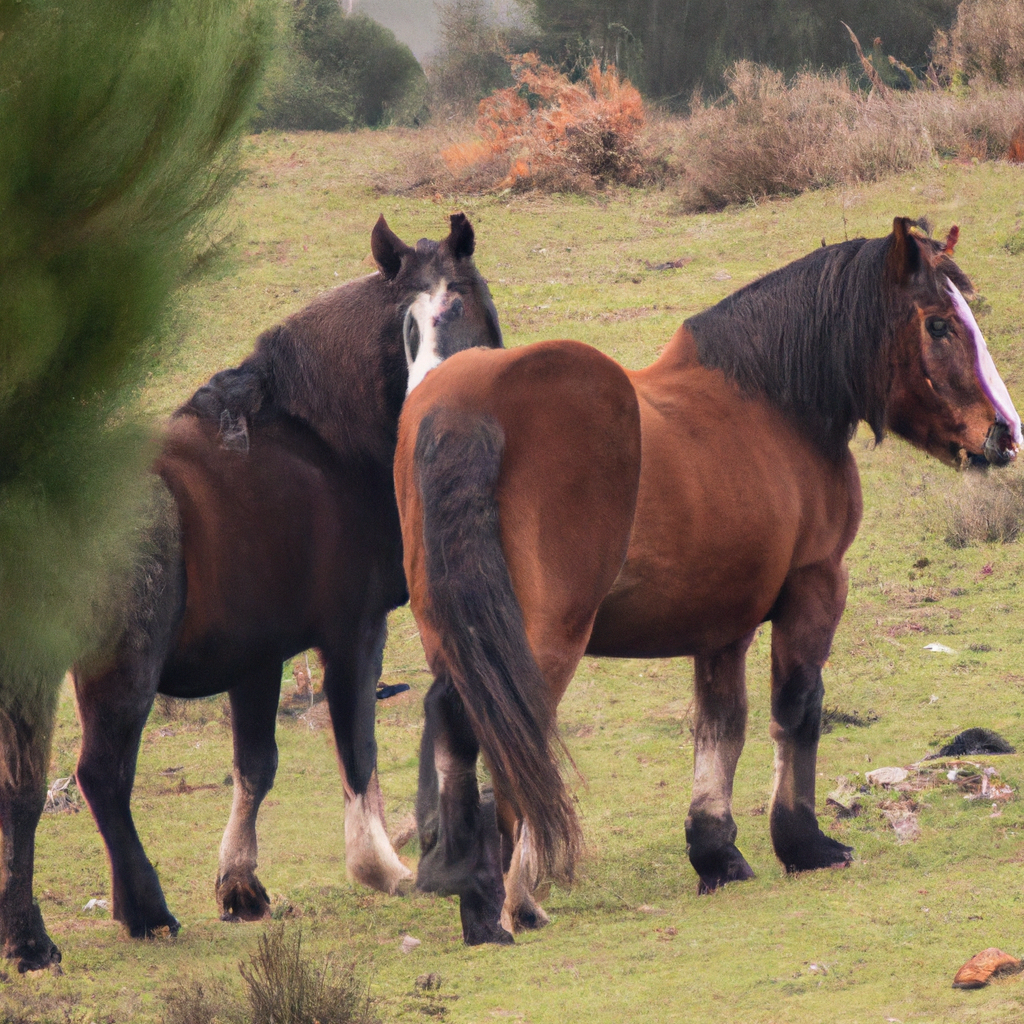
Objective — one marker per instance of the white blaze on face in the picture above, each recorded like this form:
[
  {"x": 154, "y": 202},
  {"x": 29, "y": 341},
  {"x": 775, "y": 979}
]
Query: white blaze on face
[
  {"x": 426, "y": 312},
  {"x": 985, "y": 369}
]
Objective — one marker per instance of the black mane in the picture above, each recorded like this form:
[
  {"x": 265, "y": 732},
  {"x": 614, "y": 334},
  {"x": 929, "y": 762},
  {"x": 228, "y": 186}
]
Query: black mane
[{"x": 812, "y": 338}]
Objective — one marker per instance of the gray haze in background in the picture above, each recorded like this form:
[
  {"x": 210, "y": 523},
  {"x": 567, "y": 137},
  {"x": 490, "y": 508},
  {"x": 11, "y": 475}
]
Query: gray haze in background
[{"x": 415, "y": 22}]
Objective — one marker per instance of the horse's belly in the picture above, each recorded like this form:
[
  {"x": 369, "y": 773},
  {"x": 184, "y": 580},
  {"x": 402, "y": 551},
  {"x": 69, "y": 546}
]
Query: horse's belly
[{"x": 642, "y": 619}]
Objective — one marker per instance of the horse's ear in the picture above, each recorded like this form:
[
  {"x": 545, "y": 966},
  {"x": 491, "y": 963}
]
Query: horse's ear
[
  {"x": 387, "y": 248},
  {"x": 904, "y": 258},
  {"x": 461, "y": 240},
  {"x": 951, "y": 239}
]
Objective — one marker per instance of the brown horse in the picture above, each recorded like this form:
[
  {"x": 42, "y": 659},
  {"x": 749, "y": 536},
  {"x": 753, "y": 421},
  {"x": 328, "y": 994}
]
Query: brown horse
[
  {"x": 554, "y": 504},
  {"x": 274, "y": 530}
]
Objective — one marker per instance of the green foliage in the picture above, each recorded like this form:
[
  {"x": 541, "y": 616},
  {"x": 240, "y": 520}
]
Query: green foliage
[
  {"x": 671, "y": 49},
  {"x": 116, "y": 119},
  {"x": 331, "y": 72}
]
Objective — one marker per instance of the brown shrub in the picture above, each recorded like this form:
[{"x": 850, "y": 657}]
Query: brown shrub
[
  {"x": 985, "y": 44},
  {"x": 547, "y": 132},
  {"x": 985, "y": 507},
  {"x": 766, "y": 137}
]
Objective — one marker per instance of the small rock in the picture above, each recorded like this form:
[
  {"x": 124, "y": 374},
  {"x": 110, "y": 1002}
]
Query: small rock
[
  {"x": 940, "y": 648},
  {"x": 981, "y": 968},
  {"x": 409, "y": 943},
  {"x": 95, "y": 904},
  {"x": 887, "y": 776}
]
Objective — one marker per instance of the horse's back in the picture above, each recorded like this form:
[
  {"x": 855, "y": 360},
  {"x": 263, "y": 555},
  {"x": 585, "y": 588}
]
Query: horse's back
[
  {"x": 567, "y": 485},
  {"x": 280, "y": 542}
]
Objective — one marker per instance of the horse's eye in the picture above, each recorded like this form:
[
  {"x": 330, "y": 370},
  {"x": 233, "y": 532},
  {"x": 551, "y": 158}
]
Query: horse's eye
[{"x": 937, "y": 327}]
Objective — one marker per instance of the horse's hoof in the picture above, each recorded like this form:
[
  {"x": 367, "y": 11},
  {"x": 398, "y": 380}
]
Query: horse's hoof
[
  {"x": 480, "y": 934},
  {"x": 720, "y": 867},
  {"x": 708, "y": 884},
  {"x": 824, "y": 853},
  {"x": 35, "y": 955},
  {"x": 242, "y": 899},
  {"x": 155, "y": 926},
  {"x": 524, "y": 918}
]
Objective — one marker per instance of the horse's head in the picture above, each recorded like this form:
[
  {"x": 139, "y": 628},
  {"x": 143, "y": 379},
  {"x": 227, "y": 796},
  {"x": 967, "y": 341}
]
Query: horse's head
[
  {"x": 946, "y": 395},
  {"x": 448, "y": 305}
]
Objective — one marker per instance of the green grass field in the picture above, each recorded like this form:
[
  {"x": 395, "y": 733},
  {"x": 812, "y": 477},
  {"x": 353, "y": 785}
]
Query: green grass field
[{"x": 631, "y": 941}]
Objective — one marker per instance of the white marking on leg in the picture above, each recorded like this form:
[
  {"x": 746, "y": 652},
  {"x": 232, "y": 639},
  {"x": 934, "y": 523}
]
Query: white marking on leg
[
  {"x": 442, "y": 766},
  {"x": 369, "y": 856},
  {"x": 521, "y": 882},
  {"x": 238, "y": 846}
]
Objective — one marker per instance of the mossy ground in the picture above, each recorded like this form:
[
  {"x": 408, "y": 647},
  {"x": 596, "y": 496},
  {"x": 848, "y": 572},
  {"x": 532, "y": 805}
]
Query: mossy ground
[{"x": 631, "y": 941}]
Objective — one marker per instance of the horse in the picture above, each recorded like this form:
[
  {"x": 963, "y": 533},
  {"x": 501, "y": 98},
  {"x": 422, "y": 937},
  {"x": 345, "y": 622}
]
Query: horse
[
  {"x": 274, "y": 529},
  {"x": 554, "y": 504}
]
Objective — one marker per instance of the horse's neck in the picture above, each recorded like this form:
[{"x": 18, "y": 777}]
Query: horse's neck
[
  {"x": 335, "y": 372},
  {"x": 679, "y": 354}
]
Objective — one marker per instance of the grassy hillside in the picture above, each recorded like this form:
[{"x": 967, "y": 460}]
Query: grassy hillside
[{"x": 632, "y": 941}]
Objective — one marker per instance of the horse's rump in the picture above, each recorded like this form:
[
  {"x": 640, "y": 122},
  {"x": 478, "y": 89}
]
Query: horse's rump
[{"x": 505, "y": 449}]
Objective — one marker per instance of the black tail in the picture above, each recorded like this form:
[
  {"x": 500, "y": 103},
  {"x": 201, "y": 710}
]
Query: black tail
[{"x": 480, "y": 623}]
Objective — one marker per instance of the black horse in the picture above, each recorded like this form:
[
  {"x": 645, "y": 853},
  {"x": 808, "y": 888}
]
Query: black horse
[{"x": 275, "y": 530}]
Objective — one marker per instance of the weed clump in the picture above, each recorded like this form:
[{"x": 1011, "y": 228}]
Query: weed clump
[
  {"x": 550, "y": 133},
  {"x": 282, "y": 986},
  {"x": 985, "y": 508}
]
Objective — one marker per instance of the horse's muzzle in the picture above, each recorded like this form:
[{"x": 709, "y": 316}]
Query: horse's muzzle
[{"x": 999, "y": 447}]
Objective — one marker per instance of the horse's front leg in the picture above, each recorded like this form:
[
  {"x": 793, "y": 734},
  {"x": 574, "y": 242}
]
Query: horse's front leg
[
  {"x": 460, "y": 851},
  {"x": 352, "y": 669},
  {"x": 720, "y": 699},
  {"x": 803, "y": 625},
  {"x": 254, "y": 699},
  {"x": 24, "y": 757}
]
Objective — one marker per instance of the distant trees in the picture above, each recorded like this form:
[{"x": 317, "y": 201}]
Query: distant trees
[
  {"x": 330, "y": 71},
  {"x": 670, "y": 47}
]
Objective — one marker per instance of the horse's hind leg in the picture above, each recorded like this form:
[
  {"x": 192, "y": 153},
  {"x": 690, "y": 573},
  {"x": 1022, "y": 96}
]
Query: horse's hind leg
[
  {"x": 254, "y": 701},
  {"x": 24, "y": 757},
  {"x": 459, "y": 843},
  {"x": 521, "y": 911},
  {"x": 112, "y": 708},
  {"x": 720, "y": 698},
  {"x": 350, "y": 683},
  {"x": 804, "y": 622}
]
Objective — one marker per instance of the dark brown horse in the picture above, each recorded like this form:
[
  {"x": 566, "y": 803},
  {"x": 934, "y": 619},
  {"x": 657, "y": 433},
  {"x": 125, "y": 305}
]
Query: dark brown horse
[
  {"x": 554, "y": 504},
  {"x": 275, "y": 529}
]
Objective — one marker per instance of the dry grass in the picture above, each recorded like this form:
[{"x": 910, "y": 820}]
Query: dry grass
[
  {"x": 282, "y": 986},
  {"x": 769, "y": 138},
  {"x": 765, "y": 137},
  {"x": 986, "y": 43},
  {"x": 985, "y": 507}
]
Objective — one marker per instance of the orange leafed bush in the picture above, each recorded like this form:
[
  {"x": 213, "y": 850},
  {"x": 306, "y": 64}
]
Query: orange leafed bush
[{"x": 546, "y": 131}]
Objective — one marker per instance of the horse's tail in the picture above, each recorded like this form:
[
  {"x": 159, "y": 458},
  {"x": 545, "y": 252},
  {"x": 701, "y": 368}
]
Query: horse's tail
[{"x": 480, "y": 623}]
